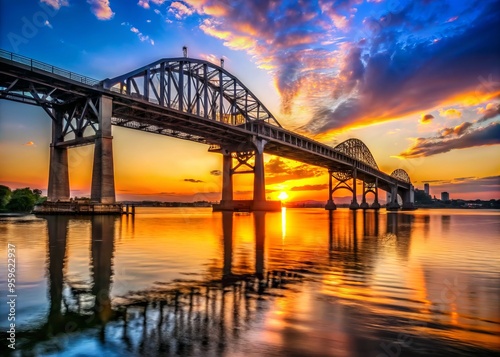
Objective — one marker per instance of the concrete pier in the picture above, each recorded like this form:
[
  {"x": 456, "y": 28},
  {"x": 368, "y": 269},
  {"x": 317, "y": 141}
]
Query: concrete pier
[
  {"x": 259, "y": 180},
  {"x": 103, "y": 177},
  {"x": 227, "y": 203},
  {"x": 330, "y": 205},
  {"x": 354, "y": 203},
  {"x": 58, "y": 189}
]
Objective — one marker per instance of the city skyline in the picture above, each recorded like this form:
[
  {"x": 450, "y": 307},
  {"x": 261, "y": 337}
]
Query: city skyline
[{"x": 418, "y": 84}]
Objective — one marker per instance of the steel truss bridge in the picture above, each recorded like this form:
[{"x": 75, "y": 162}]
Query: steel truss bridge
[{"x": 189, "y": 99}]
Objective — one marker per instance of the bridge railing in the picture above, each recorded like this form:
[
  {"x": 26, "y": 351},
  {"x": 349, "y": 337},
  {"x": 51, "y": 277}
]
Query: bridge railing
[{"x": 34, "y": 64}]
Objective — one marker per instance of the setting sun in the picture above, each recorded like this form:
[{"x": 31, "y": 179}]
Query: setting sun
[{"x": 283, "y": 196}]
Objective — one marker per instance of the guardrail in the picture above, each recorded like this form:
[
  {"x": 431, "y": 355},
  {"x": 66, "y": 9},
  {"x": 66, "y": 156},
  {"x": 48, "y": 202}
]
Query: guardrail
[{"x": 34, "y": 64}]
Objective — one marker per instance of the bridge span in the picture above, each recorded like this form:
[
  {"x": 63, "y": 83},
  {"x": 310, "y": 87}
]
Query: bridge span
[{"x": 189, "y": 99}]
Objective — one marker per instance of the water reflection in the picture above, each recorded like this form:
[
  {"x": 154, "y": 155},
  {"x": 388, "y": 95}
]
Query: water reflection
[
  {"x": 57, "y": 229},
  {"x": 260, "y": 238},
  {"x": 321, "y": 283},
  {"x": 227, "y": 224},
  {"x": 445, "y": 223},
  {"x": 102, "y": 248}
]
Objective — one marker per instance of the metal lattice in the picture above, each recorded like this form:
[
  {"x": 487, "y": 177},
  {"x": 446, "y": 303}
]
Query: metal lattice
[
  {"x": 342, "y": 175},
  {"x": 195, "y": 87},
  {"x": 356, "y": 149},
  {"x": 401, "y": 175}
]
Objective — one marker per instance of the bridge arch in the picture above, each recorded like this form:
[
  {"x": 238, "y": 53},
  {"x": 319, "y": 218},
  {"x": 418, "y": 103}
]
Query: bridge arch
[
  {"x": 193, "y": 86},
  {"x": 357, "y": 149},
  {"x": 401, "y": 175}
]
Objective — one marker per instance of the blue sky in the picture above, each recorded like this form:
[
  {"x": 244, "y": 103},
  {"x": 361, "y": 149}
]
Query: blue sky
[{"x": 417, "y": 81}]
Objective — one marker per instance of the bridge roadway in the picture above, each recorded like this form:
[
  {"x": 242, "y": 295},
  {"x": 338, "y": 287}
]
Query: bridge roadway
[{"x": 31, "y": 82}]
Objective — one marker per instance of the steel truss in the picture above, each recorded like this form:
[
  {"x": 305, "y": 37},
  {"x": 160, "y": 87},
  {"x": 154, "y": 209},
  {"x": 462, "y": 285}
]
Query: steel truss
[
  {"x": 195, "y": 87},
  {"x": 369, "y": 187},
  {"x": 356, "y": 149},
  {"x": 401, "y": 175}
]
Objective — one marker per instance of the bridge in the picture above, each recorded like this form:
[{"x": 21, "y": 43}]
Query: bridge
[{"x": 189, "y": 99}]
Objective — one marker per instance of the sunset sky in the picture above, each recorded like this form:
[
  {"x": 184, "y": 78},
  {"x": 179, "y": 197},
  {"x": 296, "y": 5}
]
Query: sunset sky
[{"x": 417, "y": 81}]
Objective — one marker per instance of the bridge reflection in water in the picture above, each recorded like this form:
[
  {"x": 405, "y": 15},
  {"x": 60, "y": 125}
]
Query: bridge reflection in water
[
  {"x": 221, "y": 311},
  {"x": 181, "y": 316}
]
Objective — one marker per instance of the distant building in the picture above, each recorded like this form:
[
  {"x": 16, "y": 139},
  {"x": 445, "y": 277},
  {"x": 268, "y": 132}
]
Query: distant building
[
  {"x": 445, "y": 196},
  {"x": 426, "y": 189}
]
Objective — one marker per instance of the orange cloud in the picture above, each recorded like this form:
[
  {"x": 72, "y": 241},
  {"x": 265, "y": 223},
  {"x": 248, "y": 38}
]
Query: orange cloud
[
  {"x": 426, "y": 118},
  {"x": 29, "y": 143},
  {"x": 101, "y": 9},
  {"x": 460, "y": 137},
  {"x": 451, "y": 113}
]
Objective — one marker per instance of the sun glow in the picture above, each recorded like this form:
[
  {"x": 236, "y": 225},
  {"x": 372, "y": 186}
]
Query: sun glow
[{"x": 283, "y": 196}]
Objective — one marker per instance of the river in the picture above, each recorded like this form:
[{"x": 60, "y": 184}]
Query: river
[{"x": 301, "y": 282}]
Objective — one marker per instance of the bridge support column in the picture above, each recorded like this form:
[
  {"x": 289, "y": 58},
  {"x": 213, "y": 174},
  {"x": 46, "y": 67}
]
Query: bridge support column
[
  {"x": 226, "y": 203},
  {"x": 393, "y": 205},
  {"x": 330, "y": 205},
  {"x": 354, "y": 203},
  {"x": 259, "y": 183},
  {"x": 58, "y": 189},
  {"x": 103, "y": 176},
  {"x": 409, "y": 199},
  {"x": 375, "y": 204},
  {"x": 364, "y": 205}
]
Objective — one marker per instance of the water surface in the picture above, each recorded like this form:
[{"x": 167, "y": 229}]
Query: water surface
[{"x": 303, "y": 282}]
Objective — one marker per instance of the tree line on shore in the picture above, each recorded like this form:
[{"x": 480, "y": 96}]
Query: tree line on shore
[{"x": 19, "y": 200}]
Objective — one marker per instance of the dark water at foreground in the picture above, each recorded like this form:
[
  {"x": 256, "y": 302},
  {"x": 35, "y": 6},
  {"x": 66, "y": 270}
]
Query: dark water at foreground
[{"x": 190, "y": 282}]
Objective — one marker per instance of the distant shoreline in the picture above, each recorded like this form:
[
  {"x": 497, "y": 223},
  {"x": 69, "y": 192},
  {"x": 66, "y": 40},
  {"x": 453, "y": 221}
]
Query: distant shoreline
[{"x": 14, "y": 214}]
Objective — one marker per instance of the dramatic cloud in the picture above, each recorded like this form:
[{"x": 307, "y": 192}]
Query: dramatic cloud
[
  {"x": 193, "y": 180},
  {"x": 457, "y": 130},
  {"x": 450, "y": 113},
  {"x": 284, "y": 38},
  {"x": 402, "y": 80},
  {"x": 352, "y": 68},
  {"x": 101, "y": 9},
  {"x": 426, "y": 118},
  {"x": 457, "y": 138},
  {"x": 310, "y": 188},
  {"x": 491, "y": 111},
  {"x": 56, "y": 4},
  {"x": 277, "y": 171}
]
